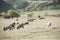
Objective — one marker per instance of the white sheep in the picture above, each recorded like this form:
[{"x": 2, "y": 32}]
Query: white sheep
[{"x": 49, "y": 24}]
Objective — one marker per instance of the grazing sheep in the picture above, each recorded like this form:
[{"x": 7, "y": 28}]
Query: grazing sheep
[
  {"x": 31, "y": 20},
  {"x": 13, "y": 25},
  {"x": 20, "y": 26},
  {"x": 8, "y": 27},
  {"x": 49, "y": 24},
  {"x": 17, "y": 22},
  {"x": 26, "y": 23},
  {"x": 39, "y": 16}
]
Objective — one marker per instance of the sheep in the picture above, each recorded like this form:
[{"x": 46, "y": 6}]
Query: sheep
[
  {"x": 17, "y": 22},
  {"x": 39, "y": 16},
  {"x": 11, "y": 26},
  {"x": 20, "y": 26},
  {"x": 7, "y": 27},
  {"x": 49, "y": 24},
  {"x": 31, "y": 20},
  {"x": 26, "y": 23}
]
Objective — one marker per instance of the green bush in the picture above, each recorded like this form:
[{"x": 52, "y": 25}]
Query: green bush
[{"x": 12, "y": 13}]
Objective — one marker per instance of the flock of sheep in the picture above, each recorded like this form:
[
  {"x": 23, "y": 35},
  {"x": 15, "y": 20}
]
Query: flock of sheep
[{"x": 12, "y": 25}]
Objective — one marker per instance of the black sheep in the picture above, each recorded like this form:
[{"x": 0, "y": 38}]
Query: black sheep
[
  {"x": 20, "y": 26},
  {"x": 8, "y": 27}
]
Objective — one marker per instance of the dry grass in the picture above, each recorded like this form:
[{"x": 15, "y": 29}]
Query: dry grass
[{"x": 36, "y": 30}]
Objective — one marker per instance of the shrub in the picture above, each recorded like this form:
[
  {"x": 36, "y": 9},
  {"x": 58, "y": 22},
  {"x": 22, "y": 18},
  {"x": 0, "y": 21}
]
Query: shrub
[{"x": 12, "y": 13}]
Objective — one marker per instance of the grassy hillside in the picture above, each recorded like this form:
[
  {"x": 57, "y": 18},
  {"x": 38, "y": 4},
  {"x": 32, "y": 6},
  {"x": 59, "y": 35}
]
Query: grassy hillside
[
  {"x": 18, "y": 4},
  {"x": 6, "y": 5},
  {"x": 38, "y": 6},
  {"x": 23, "y": 4}
]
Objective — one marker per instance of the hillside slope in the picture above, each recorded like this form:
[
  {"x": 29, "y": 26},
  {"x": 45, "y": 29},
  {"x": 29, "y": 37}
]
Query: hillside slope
[
  {"x": 26, "y": 5},
  {"x": 4, "y": 6}
]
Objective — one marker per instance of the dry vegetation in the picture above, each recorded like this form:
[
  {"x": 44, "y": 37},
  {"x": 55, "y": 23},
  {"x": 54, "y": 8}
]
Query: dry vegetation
[{"x": 36, "y": 30}]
